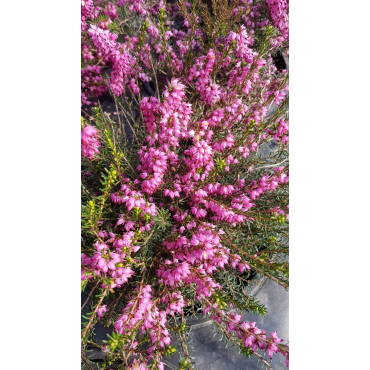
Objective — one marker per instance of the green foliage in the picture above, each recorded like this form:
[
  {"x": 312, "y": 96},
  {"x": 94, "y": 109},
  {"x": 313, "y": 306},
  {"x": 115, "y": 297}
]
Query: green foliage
[{"x": 162, "y": 219}]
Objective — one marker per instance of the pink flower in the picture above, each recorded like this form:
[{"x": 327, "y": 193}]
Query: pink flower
[
  {"x": 101, "y": 310},
  {"x": 89, "y": 142},
  {"x": 130, "y": 225},
  {"x": 137, "y": 365},
  {"x": 271, "y": 349}
]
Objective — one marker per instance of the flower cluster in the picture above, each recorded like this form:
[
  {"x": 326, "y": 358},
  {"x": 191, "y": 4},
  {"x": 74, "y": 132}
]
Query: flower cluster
[
  {"x": 184, "y": 213},
  {"x": 89, "y": 142}
]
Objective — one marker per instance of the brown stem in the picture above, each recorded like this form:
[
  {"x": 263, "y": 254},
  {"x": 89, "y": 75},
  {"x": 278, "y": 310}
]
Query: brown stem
[
  {"x": 93, "y": 316},
  {"x": 90, "y": 294},
  {"x": 84, "y": 359}
]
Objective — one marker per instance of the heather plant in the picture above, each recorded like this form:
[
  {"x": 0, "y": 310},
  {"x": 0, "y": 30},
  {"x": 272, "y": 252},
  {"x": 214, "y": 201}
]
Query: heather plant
[{"x": 179, "y": 209}]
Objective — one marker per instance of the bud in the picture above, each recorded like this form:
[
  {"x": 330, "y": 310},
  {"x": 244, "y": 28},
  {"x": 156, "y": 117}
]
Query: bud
[
  {"x": 145, "y": 26},
  {"x": 161, "y": 13},
  {"x": 269, "y": 29}
]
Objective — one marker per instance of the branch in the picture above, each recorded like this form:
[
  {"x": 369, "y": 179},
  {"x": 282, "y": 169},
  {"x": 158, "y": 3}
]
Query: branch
[
  {"x": 271, "y": 165},
  {"x": 89, "y": 324},
  {"x": 89, "y": 296}
]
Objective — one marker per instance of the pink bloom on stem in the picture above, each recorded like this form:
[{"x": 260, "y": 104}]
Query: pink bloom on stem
[
  {"x": 129, "y": 225},
  {"x": 101, "y": 310},
  {"x": 137, "y": 365},
  {"x": 89, "y": 142}
]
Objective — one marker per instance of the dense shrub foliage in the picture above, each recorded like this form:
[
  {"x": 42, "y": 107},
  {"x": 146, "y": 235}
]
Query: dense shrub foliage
[{"x": 179, "y": 209}]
